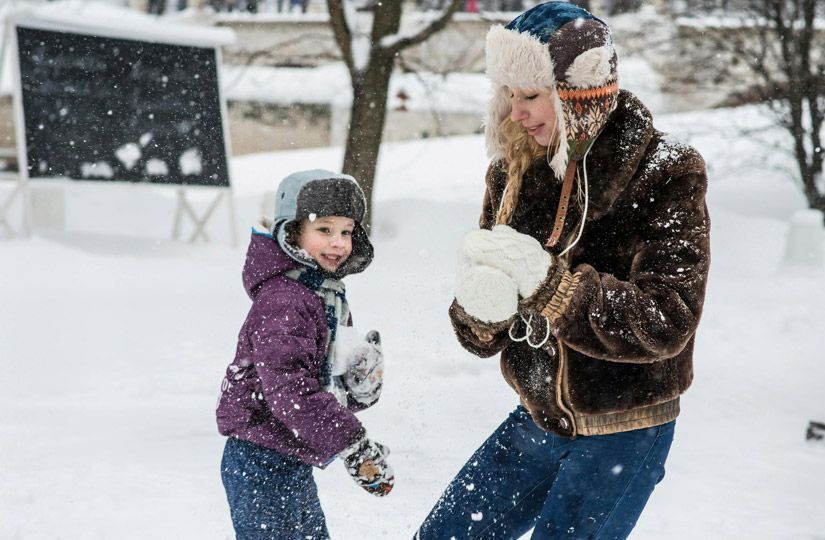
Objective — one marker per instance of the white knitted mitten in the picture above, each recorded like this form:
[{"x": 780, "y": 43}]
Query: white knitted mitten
[
  {"x": 486, "y": 293},
  {"x": 518, "y": 255}
]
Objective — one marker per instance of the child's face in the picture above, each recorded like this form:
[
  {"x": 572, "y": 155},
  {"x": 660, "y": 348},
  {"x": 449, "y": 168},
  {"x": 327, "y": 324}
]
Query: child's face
[{"x": 328, "y": 240}]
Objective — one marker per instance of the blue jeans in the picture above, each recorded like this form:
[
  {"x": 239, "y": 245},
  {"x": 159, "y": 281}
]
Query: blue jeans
[
  {"x": 271, "y": 496},
  {"x": 523, "y": 477}
]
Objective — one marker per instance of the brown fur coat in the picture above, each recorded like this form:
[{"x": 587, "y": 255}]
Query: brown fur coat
[{"x": 624, "y": 304}]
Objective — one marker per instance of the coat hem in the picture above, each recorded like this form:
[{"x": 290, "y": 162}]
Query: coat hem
[{"x": 640, "y": 418}]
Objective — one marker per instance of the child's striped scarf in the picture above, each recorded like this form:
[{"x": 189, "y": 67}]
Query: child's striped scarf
[{"x": 333, "y": 293}]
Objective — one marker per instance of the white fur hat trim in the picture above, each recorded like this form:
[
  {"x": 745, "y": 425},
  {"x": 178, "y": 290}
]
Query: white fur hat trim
[
  {"x": 591, "y": 68},
  {"x": 519, "y": 60}
]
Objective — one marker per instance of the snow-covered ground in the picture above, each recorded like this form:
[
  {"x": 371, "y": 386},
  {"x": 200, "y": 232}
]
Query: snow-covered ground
[{"x": 113, "y": 342}]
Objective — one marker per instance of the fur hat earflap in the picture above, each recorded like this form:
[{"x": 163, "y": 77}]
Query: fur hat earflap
[{"x": 564, "y": 48}]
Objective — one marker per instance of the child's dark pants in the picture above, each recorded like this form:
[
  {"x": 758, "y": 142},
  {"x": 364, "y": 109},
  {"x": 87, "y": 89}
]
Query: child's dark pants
[{"x": 271, "y": 496}]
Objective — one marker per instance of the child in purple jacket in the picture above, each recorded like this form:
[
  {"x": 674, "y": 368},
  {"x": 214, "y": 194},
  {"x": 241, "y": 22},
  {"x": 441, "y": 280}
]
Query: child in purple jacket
[{"x": 288, "y": 398}]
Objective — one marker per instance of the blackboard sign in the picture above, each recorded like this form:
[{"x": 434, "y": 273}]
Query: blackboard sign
[{"x": 110, "y": 109}]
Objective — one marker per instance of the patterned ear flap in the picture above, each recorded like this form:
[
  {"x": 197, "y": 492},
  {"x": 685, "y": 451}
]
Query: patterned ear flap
[{"x": 585, "y": 113}]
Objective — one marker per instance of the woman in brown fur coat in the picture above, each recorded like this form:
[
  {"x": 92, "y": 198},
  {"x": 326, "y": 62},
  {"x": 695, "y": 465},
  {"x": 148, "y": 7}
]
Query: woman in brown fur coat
[{"x": 588, "y": 275}]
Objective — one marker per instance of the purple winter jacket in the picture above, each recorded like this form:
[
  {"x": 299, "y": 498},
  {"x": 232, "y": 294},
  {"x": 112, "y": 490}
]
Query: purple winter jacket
[{"x": 271, "y": 395}]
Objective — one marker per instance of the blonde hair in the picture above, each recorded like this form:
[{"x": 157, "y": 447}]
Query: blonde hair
[{"x": 520, "y": 151}]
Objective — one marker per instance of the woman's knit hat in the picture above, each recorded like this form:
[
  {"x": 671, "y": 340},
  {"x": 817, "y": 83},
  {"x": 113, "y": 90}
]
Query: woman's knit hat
[
  {"x": 319, "y": 193},
  {"x": 562, "y": 47}
]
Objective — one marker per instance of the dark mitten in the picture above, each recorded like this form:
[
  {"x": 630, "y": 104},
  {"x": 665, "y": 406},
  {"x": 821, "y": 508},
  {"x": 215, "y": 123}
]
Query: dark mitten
[{"x": 366, "y": 462}]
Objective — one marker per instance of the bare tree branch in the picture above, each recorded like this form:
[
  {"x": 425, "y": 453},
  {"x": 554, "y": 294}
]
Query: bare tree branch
[
  {"x": 435, "y": 26},
  {"x": 387, "y": 22},
  {"x": 342, "y": 31},
  {"x": 782, "y": 48},
  {"x": 370, "y": 78},
  {"x": 273, "y": 52}
]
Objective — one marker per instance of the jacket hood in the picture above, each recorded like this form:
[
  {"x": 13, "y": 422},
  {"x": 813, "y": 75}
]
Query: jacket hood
[
  {"x": 567, "y": 50},
  {"x": 264, "y": 259},
  {"x": 319, "y": 193}
]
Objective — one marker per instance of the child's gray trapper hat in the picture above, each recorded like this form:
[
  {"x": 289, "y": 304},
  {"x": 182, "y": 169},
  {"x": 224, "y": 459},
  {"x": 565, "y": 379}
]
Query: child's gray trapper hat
[{"x": 319, "y": 193}]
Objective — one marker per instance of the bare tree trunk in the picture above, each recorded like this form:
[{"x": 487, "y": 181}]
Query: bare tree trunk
[
  {"x": 794, "y": 23},
  {"x": 366, "y": 126},
  {"x": 371, "y": 80}
]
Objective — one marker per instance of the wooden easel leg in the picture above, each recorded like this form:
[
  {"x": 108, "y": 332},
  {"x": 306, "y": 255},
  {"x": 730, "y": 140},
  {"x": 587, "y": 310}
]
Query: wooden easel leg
[
  {"x": 5, "y": 225},
  {"x": 8, "y": 232},
  {"x": 233, "y": 227},
  {"x": 199, "y": 222},
  {"x": 178, "y": 214}
]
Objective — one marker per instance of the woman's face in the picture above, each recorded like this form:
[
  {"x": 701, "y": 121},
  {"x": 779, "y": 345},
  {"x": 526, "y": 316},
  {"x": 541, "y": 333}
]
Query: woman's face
[{"x": 533, "y": 109}]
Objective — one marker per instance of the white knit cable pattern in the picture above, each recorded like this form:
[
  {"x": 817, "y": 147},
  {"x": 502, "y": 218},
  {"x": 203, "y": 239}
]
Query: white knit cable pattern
[
  {"x": 486, "y": 293},
  {"x": 518, "y": 255}
]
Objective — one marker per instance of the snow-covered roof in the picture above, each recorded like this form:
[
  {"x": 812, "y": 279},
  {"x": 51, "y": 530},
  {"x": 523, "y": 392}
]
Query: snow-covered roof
[
  {"x": 102, "y": 19},
  {"x": 493, "y": 17},
  {"x": 107, "y": 20},
  {"x": 732, "y": 21}
]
